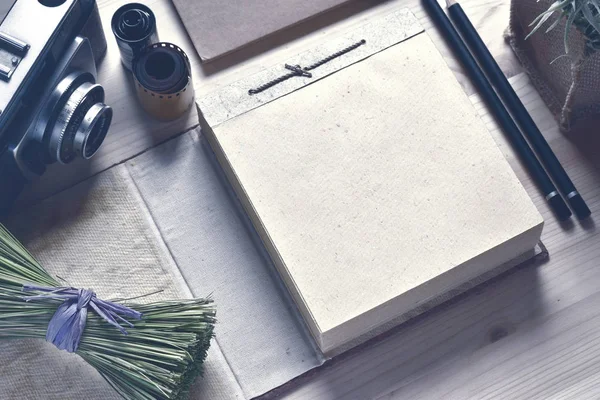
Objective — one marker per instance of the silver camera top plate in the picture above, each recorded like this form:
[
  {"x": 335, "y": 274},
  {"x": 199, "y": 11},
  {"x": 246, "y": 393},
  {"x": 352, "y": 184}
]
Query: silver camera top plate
[
  {"x": 46, "y": 20},
  {"x": 12, "y": 51}
]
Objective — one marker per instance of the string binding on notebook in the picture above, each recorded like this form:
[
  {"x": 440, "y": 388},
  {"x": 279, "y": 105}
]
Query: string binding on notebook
[{"x": 297, "y": 70}]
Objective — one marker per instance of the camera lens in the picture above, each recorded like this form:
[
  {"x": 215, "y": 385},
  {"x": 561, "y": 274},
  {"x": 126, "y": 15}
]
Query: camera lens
[
  {"x": 81, "y": 124},
  {"x": 92, "y": 131}
]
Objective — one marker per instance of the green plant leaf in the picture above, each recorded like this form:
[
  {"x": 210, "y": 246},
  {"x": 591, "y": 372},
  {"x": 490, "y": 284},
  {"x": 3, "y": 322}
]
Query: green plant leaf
[
  {"x": 542, "y": 18},
  {"x": 569, "y": 24},
  {"x": 558, "y": 58},
  {"x": 593, "y": 20},
  {"x": 557, "y": 5},
  {"x": 539, "y": 24},
  {"x": 554, "y": 24},
  {"x": 596, "y": 5}
]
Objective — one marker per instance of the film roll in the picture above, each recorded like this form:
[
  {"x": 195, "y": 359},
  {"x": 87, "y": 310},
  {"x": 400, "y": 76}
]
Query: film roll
[
  {"x": 134, "y": 27},
  {"x": 163, "y": 81}
]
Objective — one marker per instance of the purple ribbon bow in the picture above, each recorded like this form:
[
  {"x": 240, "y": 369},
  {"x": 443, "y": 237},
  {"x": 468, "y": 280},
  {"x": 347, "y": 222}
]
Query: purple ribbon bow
[{"x": 68, "y": 322}]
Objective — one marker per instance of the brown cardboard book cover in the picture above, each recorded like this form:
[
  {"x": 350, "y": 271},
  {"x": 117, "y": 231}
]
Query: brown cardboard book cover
[{"x": 219, "y": 27}]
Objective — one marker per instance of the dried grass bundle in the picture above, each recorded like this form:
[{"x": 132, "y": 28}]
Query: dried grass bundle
[{"x": 144, "y": 351}]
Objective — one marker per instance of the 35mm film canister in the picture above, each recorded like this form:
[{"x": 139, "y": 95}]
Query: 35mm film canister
[
  {"x": 134, "y": 26},
  {"x": 163, "y": 81}
]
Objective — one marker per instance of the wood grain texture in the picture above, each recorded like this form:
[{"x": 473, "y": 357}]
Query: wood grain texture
[{"x": 533, "y": 334}]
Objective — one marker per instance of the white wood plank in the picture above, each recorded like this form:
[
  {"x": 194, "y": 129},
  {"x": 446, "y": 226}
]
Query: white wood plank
[{"x": 530, "y": 335}]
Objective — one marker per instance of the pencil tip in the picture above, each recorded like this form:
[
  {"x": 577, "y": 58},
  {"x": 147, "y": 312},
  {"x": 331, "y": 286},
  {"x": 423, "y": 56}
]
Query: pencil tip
[{"x": 450, "y": 2}]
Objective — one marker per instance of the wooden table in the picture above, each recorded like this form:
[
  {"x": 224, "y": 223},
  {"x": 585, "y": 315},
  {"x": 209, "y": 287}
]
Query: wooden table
[{"x": 532, "y": 334}]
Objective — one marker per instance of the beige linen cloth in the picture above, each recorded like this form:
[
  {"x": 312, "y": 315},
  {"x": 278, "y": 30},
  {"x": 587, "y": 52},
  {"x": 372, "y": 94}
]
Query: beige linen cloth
[{"x": 96, "y": 235}]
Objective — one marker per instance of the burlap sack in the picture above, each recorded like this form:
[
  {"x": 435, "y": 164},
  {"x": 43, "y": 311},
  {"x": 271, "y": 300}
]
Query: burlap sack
[{"x": 570, "y": 86}]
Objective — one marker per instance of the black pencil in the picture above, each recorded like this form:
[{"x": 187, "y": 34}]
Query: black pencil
[
  {"x": 520, "y": 145},
  {"x": 518, "y": 110}
]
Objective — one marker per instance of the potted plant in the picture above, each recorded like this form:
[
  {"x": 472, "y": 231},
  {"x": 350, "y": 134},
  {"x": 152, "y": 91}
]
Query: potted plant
[{"x": 558, "y": 42}]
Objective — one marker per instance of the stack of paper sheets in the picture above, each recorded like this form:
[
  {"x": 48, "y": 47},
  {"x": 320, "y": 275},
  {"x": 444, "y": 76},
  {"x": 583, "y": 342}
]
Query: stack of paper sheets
[{"x": 375, "y": 190}]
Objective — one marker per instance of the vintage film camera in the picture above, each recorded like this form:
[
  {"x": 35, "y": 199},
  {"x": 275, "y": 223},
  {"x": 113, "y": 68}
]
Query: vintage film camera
[{"x": 51, "y": 108}]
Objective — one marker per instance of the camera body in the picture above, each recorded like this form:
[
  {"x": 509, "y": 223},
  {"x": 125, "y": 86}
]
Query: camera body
[{"x": 51, "y": 108}]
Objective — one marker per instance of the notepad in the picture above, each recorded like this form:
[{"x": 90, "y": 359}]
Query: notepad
[{"x": 375, "y": 190}]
